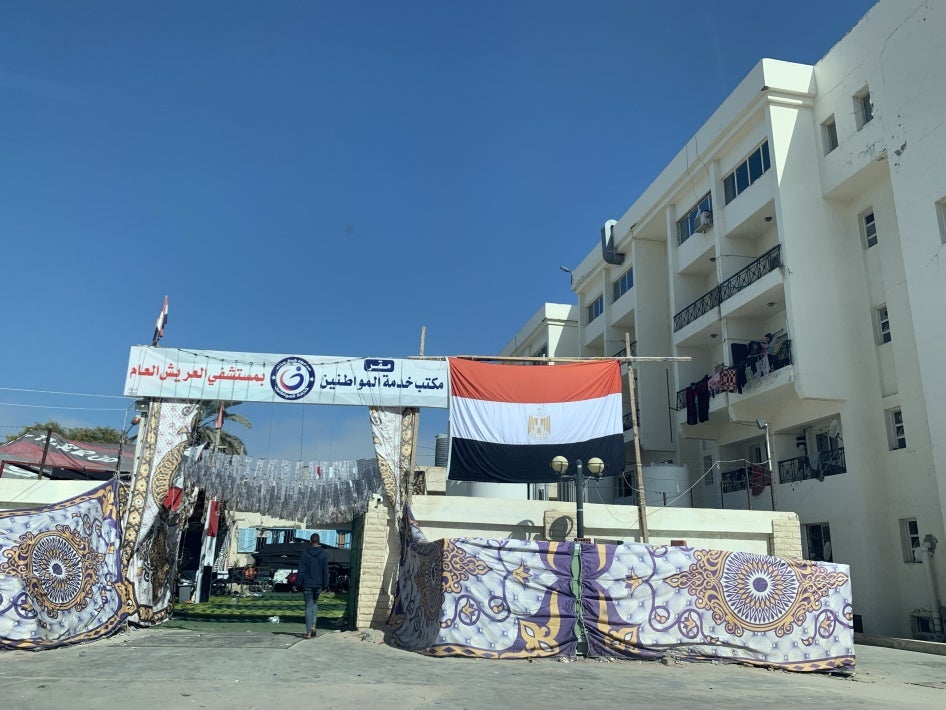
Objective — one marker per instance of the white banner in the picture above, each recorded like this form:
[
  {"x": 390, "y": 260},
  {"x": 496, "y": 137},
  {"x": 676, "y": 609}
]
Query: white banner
[{"x": 173, "y": 373}]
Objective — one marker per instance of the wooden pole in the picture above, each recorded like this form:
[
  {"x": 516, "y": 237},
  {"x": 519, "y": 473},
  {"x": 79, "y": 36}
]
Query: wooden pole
[
  {"x": 641, "y": 495},
  {"x": 523, "y": 358},
  {"x": 42, "y": 461},
  {"x": 415, "y": 417}
]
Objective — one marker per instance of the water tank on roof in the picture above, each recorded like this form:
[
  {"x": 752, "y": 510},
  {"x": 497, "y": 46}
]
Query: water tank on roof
[
  {"x": 666, "y": 484},
  {"x": 441, "y": 450}
]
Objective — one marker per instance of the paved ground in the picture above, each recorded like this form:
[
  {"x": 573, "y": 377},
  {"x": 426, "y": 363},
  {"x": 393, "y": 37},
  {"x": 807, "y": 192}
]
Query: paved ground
[{"x": 179, "y": 668}]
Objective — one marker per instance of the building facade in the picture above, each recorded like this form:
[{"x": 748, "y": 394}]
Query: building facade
[{"x": 794, "y": 251}]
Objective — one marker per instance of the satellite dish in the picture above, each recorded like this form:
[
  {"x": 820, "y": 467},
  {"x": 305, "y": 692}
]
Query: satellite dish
[{"x": 834, "y": 428}]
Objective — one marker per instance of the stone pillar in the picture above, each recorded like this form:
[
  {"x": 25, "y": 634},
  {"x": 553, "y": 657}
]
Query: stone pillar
[
  {"x": 379, "y": 566},
  {"x": 786, "y": 536}
]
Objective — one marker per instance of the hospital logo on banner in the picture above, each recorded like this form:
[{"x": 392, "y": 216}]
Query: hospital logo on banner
[
  {"x": 292, "y": 378},
  {"x": 540, "y": 426}
]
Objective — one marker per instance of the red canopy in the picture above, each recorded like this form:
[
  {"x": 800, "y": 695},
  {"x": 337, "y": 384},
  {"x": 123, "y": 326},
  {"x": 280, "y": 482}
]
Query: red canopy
[{"x": 63, "y": 453}]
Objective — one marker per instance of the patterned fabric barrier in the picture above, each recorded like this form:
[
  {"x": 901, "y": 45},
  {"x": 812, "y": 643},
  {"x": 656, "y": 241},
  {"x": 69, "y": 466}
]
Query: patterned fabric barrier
[
  {"x": 60, "y": 572},
  {"x": 517, "y": 599},
  {"x": 642, "y": 601},
  {"x": 485, "y": 598}
]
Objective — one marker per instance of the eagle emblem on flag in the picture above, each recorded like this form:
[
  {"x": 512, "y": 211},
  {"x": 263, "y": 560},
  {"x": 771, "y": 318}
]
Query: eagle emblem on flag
[{"x": 540, "y": 425}]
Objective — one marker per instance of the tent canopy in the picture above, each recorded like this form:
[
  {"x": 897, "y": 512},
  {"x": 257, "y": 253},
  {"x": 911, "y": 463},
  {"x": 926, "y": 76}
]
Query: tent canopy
[{"x": 66, "y": 458}]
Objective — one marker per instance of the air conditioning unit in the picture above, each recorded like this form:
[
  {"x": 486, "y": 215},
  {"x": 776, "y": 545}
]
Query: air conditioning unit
[{"x": 703, "y": 222}]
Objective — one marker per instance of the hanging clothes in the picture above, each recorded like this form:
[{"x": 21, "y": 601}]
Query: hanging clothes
[
  {"x": 690, "y": 396},
  {"x": 702, "y": 399},
  {"x": 728, "y": 380}
]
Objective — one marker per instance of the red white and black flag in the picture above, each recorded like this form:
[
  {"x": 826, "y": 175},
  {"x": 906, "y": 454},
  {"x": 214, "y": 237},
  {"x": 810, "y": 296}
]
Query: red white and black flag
[
  {"x": 160, "y": 322},
  {"x": 507, "y": 422}
]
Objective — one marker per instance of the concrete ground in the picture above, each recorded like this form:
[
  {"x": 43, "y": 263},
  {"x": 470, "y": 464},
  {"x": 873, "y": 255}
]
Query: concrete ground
[{"x": 147, "y": 669}]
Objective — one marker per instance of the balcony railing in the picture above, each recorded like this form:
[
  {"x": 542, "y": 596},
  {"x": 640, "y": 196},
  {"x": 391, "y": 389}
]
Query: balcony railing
[
  {"x": 623, "y": 351},
  {"x": 771, "y": 260},
  {"x": 699, "y": 307},
  {"x": 804, "y": 468}
]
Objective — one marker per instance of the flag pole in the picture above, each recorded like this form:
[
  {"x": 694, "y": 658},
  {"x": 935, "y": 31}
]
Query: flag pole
[{"x": 641, "y": 497}]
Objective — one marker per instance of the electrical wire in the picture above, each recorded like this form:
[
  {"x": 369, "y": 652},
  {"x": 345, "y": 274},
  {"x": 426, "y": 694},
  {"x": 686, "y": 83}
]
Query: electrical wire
[
  {"x": 71, "y": 394},
  {"x": 52, "y": 406}
]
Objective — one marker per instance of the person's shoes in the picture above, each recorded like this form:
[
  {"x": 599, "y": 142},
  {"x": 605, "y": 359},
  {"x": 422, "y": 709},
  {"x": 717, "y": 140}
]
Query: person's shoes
[{"x": 307, "y": 636}]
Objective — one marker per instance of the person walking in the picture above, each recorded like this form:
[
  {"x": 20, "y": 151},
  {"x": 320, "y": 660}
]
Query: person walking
[{"x": 313, "y": 577}]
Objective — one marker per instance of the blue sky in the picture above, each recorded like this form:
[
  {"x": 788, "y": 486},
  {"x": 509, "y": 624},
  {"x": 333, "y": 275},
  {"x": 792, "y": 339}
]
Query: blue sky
[{"x": 327, "y": 177}]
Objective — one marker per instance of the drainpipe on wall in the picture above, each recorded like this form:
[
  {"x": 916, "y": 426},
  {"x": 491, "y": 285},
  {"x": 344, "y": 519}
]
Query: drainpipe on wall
[{"x": 927, "y": 548}]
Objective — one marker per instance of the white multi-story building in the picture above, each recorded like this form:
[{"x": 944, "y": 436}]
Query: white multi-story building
[{"x": 795, "y": 246}]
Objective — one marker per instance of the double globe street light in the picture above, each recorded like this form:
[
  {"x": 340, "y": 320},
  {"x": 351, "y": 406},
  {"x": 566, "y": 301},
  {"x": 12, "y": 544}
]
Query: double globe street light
[{"x": 595, "y": 468}]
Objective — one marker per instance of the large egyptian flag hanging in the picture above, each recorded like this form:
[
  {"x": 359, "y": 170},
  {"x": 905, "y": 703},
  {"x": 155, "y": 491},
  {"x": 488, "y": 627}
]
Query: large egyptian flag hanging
[{"x": 507, "y": 422}]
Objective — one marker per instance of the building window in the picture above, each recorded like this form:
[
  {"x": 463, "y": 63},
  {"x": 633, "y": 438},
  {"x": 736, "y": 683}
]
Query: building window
[
  {"x": 747, "y": 172},
  {"x": 622, "y": 285},
  {"x": 882, "y": 323},
  {"x": 910, "y": 539},
  {"x": 624, "y": 487},
  {"x": 708, "y": 470},
  {"x": 895, "y": 431},
  {"x": 246, "y": 540},
  {"x": 829, "y": 134},
  {"x": 686, "y": 226},
  {"x": 863, "y": 108},
  {"x": 596, "y": 308},
  {"x": 818, "y": 537},
  {"x": 869, "y": 229}
]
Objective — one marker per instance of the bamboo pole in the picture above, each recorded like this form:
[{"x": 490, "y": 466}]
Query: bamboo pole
[
  {"x": 415, "y": 420},
  {"x": 641, "y": 495},
  {"x": 523, "y": 358}
]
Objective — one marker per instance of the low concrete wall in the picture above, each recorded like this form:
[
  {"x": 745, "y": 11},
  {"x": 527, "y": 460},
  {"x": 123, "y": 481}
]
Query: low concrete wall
[
  {"x": 16, "y": 493},
  {"x": 766, "y": 533}
]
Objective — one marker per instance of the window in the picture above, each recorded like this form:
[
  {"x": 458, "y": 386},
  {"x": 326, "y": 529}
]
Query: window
[
  {"x": 882, "y": 324},
  {"x": 818, "y": 537},
  {"x": 910, "y": 539},
  {"x": 246, "y": 540},
  {"x": 869, "y": 229},
  {"x": 622, "y": 285},
  {"x": 829, "y": 135},
  {"x": 624, "y": 488},
  {"x": 863, "y": 108},
  {"x": 747, "y": 172},
  {"x": 895, "y": 431},
  {"x": 686, "y": 226},
  {"x": 596, "y": 308}
]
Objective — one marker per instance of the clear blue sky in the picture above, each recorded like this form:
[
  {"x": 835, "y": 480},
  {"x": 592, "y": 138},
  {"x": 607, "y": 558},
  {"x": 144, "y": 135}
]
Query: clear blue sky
[{"x": 327, "y": 177}]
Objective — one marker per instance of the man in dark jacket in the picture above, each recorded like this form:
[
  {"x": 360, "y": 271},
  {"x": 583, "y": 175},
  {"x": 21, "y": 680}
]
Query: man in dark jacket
[{"x": 313, "y": 577}]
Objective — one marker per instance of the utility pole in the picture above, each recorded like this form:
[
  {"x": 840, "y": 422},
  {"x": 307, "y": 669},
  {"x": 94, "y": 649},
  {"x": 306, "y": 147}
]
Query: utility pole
[{"x": 641, "y": 495}]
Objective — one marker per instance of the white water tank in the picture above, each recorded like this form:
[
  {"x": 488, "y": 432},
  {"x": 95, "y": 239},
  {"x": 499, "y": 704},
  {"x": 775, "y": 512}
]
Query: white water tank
[{"x": 666, "y": 484}]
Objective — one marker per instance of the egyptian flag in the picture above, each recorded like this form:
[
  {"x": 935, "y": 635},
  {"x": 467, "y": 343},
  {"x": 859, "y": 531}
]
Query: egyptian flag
[
  {"x": 507, "y": 422},
  {"x": 160, "y": 323}
]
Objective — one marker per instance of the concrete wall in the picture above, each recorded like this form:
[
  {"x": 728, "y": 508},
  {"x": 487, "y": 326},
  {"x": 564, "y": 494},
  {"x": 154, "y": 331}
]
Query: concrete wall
[
  {"x": 448, "y": 517},
  {"x": 16, "y": 493}
]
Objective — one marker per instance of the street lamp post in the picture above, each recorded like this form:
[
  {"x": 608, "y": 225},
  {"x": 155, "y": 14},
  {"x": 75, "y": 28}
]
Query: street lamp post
[{"x": 595, "y": 468}]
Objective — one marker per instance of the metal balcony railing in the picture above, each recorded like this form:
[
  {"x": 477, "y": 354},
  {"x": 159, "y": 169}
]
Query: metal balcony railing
[
  {"x": 623, "y": 351},
  {"x": 817, "y": 466},
  {"x": 771, "y": 260},
  {"x": 732, "y": 481},
  {"x": 699, "y": 307}
]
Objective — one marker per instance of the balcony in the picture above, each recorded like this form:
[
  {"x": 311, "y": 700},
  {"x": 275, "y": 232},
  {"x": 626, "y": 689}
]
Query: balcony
[
  {"x": 768, "y": 262},
  {"x": 817, "y": 466},
  {"x": 778, "y": 357},
  {"x": 756, "y": 478}
]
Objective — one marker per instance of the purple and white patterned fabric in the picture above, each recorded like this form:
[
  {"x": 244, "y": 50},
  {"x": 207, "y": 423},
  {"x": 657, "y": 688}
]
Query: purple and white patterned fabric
[
  {"x": 517, "y": 599},
  {"x": 60, "y": 572},
  {"x": 641, "y": 600},
  {"x": 485, "y": 598}
]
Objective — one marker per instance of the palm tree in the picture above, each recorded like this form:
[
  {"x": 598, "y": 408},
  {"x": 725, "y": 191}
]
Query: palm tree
[{"x": 206, "y": 432}]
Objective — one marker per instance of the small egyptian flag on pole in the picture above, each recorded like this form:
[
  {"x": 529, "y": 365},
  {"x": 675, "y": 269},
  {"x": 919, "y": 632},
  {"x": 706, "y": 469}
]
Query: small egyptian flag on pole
[{"x": 160, "y": 322}]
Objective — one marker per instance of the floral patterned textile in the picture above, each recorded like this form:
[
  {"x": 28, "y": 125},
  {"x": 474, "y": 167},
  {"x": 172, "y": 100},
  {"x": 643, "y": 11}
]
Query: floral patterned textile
[
  {"x": 60, "y": 572},
  {"x": 517, "y": 599},
  {"x": 484, "y": 598},
  {"x": 641, "y": 600}
]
